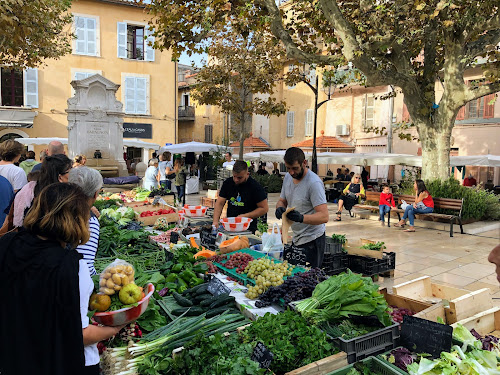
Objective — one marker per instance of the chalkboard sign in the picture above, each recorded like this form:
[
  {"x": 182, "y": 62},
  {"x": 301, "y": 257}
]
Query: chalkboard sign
[
  {"x": 262, "y": 355},
  {"x": 208, "y": 239},
  {"x": 217, "y": 287},
  {"x": 425, "y": 336},
  {"x": 295, "y": 255}
]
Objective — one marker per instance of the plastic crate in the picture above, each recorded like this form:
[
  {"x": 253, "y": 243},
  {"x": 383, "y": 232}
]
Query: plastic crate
[
  {"x": 394, "y": 367},
  {"x": 376, "y": 366},
  {"x": 333, "y": 264},
  {"x": 371, "y": 266},
  {"x": 372, "y": 343},
  {"x": 333, "y": 247}
]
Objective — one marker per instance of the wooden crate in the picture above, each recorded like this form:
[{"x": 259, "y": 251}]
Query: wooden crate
[
  {"x": 151, "y": 220},
  {"x": 423, "y": 310},
  {"x": 150, "y": 207},
  {"x": 169, "y": 199},
  {"x": 134, "y": 203},
  {"x": 351, "y": 250},
  {"x": 323, "y": 366},
  {"x": 208, "y": 202},
  {"x": 485, "y": 323},
  {"x": 462, "y": 303}
]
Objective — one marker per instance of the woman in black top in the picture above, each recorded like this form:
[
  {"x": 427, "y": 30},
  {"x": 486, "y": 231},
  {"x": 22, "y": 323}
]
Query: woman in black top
[{"x": 351, "y": 195}]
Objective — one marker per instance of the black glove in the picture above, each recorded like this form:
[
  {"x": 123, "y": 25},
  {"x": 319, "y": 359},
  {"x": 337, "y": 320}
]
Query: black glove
[
  {"x": 295, "y": 215},
  {"x": 279, "y": 212}
]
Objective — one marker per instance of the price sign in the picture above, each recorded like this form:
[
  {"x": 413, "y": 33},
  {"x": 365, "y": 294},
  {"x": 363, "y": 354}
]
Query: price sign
[
  {"x": 208, "y": 239},
  {"x": 217, "y": 287},
  {"x": 262, "y": 355},
  {"x": 425, "y": 336},
  {"x": 295, "y": 255}
]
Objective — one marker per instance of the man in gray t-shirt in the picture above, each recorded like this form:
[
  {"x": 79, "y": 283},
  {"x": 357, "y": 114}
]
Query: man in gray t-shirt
[{"x": 305, "y": 191}]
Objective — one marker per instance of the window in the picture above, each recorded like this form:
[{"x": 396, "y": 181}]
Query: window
[
  {"x": 209, "y": 129},
  {"x": 311, "y": 76},
  {"x": 290, "y": 123},
  {"x": 19, "y": 88},
  {"x": 77, "y": 75},
  {"x": 309, "y": 122},
  {"x": 291, "y": 67},
  {"x": 135, "y": 42},
  {"x": 185, "y": 100},
  {"x": 136, "y": 94},
  {"x": 479, "y": 108},
  {"x": 368, "y": 110},
  {"x": 87, "y": 35}
]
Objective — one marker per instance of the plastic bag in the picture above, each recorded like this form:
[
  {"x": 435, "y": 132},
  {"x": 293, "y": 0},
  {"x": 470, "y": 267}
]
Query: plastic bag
[
  {"x": 271, "y": 242},
  {"x": 404, "y": 205},
  {"x": 116, "y": 275}
]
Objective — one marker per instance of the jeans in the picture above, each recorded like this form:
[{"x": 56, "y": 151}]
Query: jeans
[
  {"x": 384, "y": 209},
  {"x": 166, "y": 184},
  {"x": 410, "y": 212},
  {"x": 180, "y": 191}
]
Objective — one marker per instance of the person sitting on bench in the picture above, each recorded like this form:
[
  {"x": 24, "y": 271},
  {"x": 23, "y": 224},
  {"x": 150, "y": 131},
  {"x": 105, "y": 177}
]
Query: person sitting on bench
[
  {"x": 351, "y": 195},
  {"x": 424, "y": 204},
  {"x": 385, "y": 203}
]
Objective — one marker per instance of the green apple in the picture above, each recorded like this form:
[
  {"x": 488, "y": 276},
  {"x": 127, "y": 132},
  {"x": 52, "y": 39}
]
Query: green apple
[{"x": 130, "y": 294}]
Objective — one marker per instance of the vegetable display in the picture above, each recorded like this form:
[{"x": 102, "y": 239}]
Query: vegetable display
[
  {"x": 475, "y": 340},
  {"x": 347, "y": 329},
  {"x": 161, "y": 191},
  {"x": 122, "y": 215},
  {"x": 374, "y": 246},
  {"x": 344, "y": 295},
  {"x": 161, "y": 211},
  {"x": 397, "y": 313},
  {"x": 101, "y": 204},
  {"x": 340, "y": 238},
  {"x": 266, "y": 273}
]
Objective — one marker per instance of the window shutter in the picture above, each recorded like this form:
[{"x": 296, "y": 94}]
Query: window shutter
[
  {"x": 81, "y": 35},
  {"x": 489, "y": 106},
  {"x": 309, "y": 122},
  {"x": 121, "y": 31},
  {"x": 363, "y": 111},
  {"x": 461, "y": 113},
  {"x": 150, "y": 52},
  {"x": 290, "y": 124},
  {"x": 130, "y": 95},
  {"x": 91, "y": 36},
  {"x": 31, "y": 88},
  {"x": 406, "y": 114},
  {"x": 81, "y": 75},
  {"x": 140, "y": 95}
]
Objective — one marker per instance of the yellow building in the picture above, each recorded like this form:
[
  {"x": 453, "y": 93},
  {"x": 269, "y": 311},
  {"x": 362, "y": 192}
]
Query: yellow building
[{"x": 109, "y": 41}]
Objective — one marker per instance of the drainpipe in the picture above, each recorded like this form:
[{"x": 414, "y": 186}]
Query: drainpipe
[{"x": 176, "y": 108}]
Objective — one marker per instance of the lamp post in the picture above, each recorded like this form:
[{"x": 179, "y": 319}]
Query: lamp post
[{"x": 329, "y": 91}]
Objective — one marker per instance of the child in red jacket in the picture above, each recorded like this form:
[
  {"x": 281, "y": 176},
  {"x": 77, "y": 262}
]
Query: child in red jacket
[{"x": 385, "y": 203}]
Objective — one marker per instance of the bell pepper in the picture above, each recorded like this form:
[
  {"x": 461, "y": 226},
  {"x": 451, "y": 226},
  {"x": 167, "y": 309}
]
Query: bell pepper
[
  {"x": 181, "y": 289},
  {"x": 200, "y": 268},
  {"x": 177, "y": 268},
  {"x": 171, "y": 286},
  {"x": 187, "y": 275},
  {"x": 195, "y": 281},
  {"x": 181, "y": 283},
  {"x": 171, "y": 277}
]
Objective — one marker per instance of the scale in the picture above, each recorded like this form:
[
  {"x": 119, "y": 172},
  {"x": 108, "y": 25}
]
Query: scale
[{"x": 223, "y": 235}]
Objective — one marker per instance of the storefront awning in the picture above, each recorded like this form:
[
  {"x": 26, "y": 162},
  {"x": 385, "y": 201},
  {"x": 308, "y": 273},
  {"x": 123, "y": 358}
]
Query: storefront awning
[{"x": 17, "y": 117}]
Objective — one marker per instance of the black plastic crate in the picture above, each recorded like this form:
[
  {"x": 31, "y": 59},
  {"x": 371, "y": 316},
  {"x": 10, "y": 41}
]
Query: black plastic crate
[
  {"x": 376, "y": 365},
  {"x": 372, "y": 343},
  {"x": 333, "y": 264},
  {"x": 333, "y": 247},
  {"x": 370, "y": 266}
]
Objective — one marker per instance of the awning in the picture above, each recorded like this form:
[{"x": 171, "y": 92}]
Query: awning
[
  {"x": 41, "y": 141},
  {"x": 17, "y": 117},
  {"x": 197, "y": 147},
  {"x": 476, "y": 160}
]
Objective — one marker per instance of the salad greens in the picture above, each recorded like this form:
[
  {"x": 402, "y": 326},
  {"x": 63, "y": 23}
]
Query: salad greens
[
  {"x": 344, "y": 295},
  {"x": 122, "y": 215},
  {"x": 374, "y": 246},
  {"x": 346, "y": 329},
  {"x": 473, "y": 339},
  {"x": 340, "y": 238},
  {"x": 101, "y": 204}
]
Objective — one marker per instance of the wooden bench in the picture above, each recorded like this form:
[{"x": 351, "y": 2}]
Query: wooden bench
[
  {"x": 373, "y": 196},
  {"x": 454, "y": 205}
]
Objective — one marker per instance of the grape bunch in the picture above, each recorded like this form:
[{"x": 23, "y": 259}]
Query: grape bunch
[
  {"x": 266, "y": 274},
  {"x": 299, "y": 286},
  {"x": 217, "y": 258},
  {"x": 398, "y": 313},
  {"x": 238, "y": 261}
]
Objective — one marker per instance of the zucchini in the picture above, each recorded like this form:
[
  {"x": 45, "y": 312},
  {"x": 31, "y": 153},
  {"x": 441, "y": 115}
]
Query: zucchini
[
  {"x": 201, "y": 289},
  {"x": 223, "y": 299},
  {"x": 190, "y": 311},
  {"x": 184, "y": 302},
  {"x": 194, "y": 289},
  {"x": 220, "y": 310},
  {"x": 198, "y": 299},
  {"x": 207, "y": 301}
]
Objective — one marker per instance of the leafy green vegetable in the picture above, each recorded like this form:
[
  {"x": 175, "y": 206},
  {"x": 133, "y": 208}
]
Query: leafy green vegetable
[
  {"x": 346, "y": 329},
  {"x": 290, "y": 338},
  {"x": 101, "y": 204},
  {"x": 152, "y": 318},
  {"x": 374, "y": 246},
  {"x": 340, "y": 238},
  {"x": 344, "y": 295}
]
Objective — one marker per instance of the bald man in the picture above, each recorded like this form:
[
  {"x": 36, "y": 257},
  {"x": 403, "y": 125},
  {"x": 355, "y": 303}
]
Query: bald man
[{"x": 54, "y": 148}]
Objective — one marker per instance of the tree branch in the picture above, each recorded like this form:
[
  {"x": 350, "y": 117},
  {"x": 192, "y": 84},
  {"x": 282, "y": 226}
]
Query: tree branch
[
  {"x": 476, "y": 48},
  {"x": 483, "y": 90},
  {"x": 492, "y": 24}
]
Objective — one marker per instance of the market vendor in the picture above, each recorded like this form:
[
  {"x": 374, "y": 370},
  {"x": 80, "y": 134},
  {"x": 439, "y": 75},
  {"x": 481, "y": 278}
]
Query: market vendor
[
  {"x": 245, "y": 197},
  {"x": 304, "y": 190}
]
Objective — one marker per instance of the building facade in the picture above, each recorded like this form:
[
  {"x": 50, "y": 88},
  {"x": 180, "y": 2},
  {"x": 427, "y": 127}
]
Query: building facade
[{"x": 112, "y": 39}]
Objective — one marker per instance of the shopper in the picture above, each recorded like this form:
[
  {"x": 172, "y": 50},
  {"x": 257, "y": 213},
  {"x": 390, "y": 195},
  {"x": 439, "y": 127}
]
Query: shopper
[
  {"x": 54, "y": 148},
  {"x": 494, "y": 258},
  {"x": 151, "y": 175},
  {"x": 245, "y": 197},
  {"x": 424, "y": 204},
  {"x": 304, "y": 190},
  {"x": 385, "y": 203},
  {"x": 180, "y": 178},
  {"x": 90, "y": 181},
  {"x": 29, "y": 163},
  {"x": 228, "y": 164},
  {"x": 351, "y": 195},
  {"x": 10, "y": 153},
  {"x": 79, "y": 161},
  {"x": 165, "y": 170},
  {"x": 6, "y": 200},
  {"x": 54, "y": 169}
]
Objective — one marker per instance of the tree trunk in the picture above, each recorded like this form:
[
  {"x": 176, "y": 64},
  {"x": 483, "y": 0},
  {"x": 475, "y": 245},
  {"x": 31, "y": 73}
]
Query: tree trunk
[
  {"x": 242, "y": 139},
  {"x": 435, "y": 151}
]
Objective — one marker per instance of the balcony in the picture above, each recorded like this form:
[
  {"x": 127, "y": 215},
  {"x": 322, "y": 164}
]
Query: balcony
[{"x": 186, "y": 113}]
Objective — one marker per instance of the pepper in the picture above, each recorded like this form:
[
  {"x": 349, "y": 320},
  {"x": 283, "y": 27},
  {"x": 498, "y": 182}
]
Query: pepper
[
  {"x": 187, "y": 275},
  {"x": 171, "y": 286},
  {"x": 177, "y": 268},
  {"x": 171, "y": 277},
  {"x": 200, "y": 268},
  {"x": 195, "y": 281},
  {"x": 181, "y": 283}
]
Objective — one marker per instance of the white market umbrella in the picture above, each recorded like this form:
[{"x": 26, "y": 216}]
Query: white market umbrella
[
  {"x": 41, "y": 141},
  {"x": 252, "y": 156},
  {"x": 198, "y": 147},
  {"x": 340, "y": 158},
  {"x": 368, "y": 159},
  {"x": 476, "y": 160},
  {"x": 277, "y": 156},
  {"x": 136, "y": 142}
]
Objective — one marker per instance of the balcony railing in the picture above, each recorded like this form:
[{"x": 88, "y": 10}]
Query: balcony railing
[{"x": 186, "y": 113}]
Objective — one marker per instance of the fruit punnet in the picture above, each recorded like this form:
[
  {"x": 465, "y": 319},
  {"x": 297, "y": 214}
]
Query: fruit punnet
[{"x": 115, "y": 276}]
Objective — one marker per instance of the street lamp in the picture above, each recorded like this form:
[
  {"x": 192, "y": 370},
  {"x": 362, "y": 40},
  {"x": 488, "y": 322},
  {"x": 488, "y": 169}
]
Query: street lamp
[{"x": 329, "y": 90}]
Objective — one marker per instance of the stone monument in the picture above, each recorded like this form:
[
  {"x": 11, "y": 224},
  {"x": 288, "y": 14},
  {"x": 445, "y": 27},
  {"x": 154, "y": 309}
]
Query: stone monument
[{"x": 95, "y": 125}]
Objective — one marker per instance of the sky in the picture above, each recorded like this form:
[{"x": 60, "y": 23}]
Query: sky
[{"x": 186, "y": 60}]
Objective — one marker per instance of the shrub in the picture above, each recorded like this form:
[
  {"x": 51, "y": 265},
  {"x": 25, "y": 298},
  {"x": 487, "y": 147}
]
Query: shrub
[{"x": 271, "y": 181}]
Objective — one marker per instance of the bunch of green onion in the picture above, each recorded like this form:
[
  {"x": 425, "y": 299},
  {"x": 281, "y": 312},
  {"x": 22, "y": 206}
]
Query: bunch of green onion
[{"x": 126, "y": 360}]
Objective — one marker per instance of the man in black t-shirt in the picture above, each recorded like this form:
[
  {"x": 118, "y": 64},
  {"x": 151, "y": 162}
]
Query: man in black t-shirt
[{"x": 245, "y": 197}]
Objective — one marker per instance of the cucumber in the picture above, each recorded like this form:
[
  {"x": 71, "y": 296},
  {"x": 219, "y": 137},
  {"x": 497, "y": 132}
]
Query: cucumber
[
  {"x": 223, "y": 299},
  {"x": 190, "y": 311},
  {"x": 184, "y": 302},
  {"x": 198, "y": 299},
  {"x": 201, "y": 289},
  {"x": 207, "y": 301},
  {"x": 220, "y": 310}
]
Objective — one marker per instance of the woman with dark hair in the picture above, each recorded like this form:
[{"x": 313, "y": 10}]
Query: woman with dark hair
[
  {"x": 351, "y": 195},
  {"x": 424, "y": 204},
  {"x": 54, "y": 169},
  {"x": 180, "y": 177}
]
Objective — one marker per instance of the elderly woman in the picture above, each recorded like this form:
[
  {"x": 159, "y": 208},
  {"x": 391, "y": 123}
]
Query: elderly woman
[
  {"x": 424, "y": 204},
  {"x": 351, "y": 195},
  {"x": 10, "y": 153},
  {"x": 151, "y": 175},
  {"x": 90, "y": 181}
]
